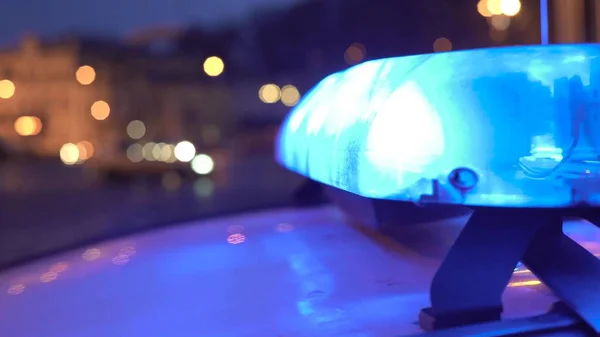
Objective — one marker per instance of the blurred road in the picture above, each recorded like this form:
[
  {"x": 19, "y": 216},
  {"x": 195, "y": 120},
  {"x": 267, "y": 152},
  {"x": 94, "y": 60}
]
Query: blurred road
[{"x": 45, "y": 208}]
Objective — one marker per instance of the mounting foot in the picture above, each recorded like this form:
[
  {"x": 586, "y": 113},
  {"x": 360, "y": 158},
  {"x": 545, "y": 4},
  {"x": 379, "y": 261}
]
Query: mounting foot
[
  {"x": 428, "y": 321},
  {"x": 468, "y": 286}
]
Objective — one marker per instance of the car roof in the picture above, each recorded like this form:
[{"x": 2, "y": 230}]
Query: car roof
[{"x": 286, "y": 272}]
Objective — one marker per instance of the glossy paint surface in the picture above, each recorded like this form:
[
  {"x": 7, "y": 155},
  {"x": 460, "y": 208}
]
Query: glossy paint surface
[
  {"x": 524, "y": 120},
  {"x": 278, "y": 273}
]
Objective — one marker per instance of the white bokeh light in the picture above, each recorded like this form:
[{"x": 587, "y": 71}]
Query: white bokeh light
[
  {"x": 203, "y": 164},
  {"x": 185, "y": 151}
]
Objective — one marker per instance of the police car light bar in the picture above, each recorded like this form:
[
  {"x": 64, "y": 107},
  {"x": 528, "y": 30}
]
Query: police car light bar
[{"x": 514, "y": 127}]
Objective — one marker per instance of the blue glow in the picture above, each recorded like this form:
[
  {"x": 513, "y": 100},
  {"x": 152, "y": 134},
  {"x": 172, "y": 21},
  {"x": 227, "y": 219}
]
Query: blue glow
[{"x": 525, "y": 119}]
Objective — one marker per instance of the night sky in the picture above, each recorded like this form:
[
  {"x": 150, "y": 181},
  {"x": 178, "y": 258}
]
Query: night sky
[{"x": 118, "y": 17}]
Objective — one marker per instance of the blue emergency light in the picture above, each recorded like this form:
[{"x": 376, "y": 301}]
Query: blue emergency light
[{"x": 510, "y": 127}]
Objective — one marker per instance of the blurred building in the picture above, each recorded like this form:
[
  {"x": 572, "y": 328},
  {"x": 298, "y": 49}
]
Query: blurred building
[
  {"x": 86, "y": 92},
  {"x": 204, "y": 86}
]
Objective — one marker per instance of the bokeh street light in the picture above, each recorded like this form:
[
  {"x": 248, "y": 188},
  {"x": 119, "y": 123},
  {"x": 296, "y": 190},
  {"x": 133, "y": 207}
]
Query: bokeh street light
[
  {"x": 213, "y": 66},
  {"x": 185, "y": 151},
  {"x": 85, "y": 75},
  {"x": 7, "y": 89},
  {"x": 203, "y": 164},
  {"x": 510, "y": 7},
  {"x": 28, "y": 126},
  {"x": 442, "y": 44},
  {"x": 290, "y": 95},
  {"x": 136, "y": 129},
  {"x": 489, "y": 8},
  {"x": 166, "y": 153},
  {"x": 482, "y": 9},
  {"x": 100, "y": 110},
  {"x": 148, "y": 151},
  {"x": 69, "y": 154},
  {"x": 494, "y": 7},
  {"x": 86, "y": 150},
  {"x": 355, "y": 53},
  {"x": 500, "y": 22},
  {"x": 269, "y": 93},
  {"x": 135, "y": 153}
]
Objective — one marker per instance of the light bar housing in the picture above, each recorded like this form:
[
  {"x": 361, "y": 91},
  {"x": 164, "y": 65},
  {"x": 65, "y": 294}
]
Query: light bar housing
[{"x": 509, "y": 127}]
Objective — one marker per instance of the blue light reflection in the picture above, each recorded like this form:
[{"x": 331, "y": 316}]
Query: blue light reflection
[{"x": 525, "y": 119}]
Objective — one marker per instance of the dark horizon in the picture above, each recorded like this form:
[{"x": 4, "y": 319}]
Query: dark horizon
[{"x": 114, "y": 18}]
